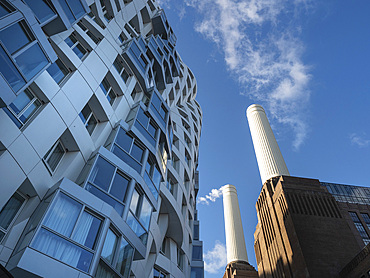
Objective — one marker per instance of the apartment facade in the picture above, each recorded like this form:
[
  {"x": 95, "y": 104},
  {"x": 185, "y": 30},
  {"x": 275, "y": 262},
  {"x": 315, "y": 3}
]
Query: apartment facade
[{"x": 99, "y": 142}]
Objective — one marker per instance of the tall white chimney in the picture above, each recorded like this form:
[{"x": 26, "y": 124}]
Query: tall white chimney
[
  {"x": 235, "y": 243},
  {"x": 269, "y": 158}
]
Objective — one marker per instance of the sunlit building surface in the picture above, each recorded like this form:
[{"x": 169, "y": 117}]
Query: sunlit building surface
[{"x": 98, "y": 144}]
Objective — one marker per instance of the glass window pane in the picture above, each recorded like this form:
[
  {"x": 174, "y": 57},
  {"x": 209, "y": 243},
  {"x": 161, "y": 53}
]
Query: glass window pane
[
  {"x": 146, "y": 211},
  {"x": 156, "y": 101},
  {"x": 70, "y": 41},
  {"x": 55, "y": 156},
  {"x": 30, "y": 111},
  {"x": 41, "y": 9},
  {"x": 58, "y": 71},
  {"x": 125, "y": 254},
  {"x": 90, "y": 126},
  {"x": 197, "y": 253},
  {"x": 79, "y": 50},
  {"x": 87, "y": 230},
  {"x": 31, "y": 61},
  {"x": 67, "y": 11},
  {"x": 124, "y": 140},
  {"x": 9, "y": 71},
  {"x": 63, "y": 214},
  {"x": 5, "y": 9},
  {"x": 118, "y": 66},
  {"x": 152, "y": 129},
  {"x": 104, "y": 271},
  {"x": 10, "y": 210},
  {"x": 21, "y": 101},
  {"x": 119, "y": 187},
  {"x": 106, "y": 198},
  {"x": 157, "y": 177},
  {"x": 102, "y": 173},
  {"x": 62, "y": 250},
  {"x": 137, "y": 152},
  {"x": 134, "y": 201},
  {"x": 109, "y": 246},
  {"x": 143, "y": 119},
  {"x": 14, "y": 38},
  {"x": 85, "y": 113},
  {"x": 137, "y": 228},
  {"x": 76, "y": 7}
]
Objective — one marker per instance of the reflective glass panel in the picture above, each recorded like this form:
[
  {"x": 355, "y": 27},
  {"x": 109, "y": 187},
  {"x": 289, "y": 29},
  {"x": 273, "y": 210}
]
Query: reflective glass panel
[
  {"x": 134, "y": 201},
  {"x": 102, "y": 173},
  {"x": 9, "y": 71},
  {"x": 125, "y": 255},
  {"x": 58, "y": 71},
  {"x": 119, "y": 187},
  {"x": 106, "y": 198},
  {"x": 152, "y": 129},
  {"x": 109, "y": 246},
  {"x": 197, "y": 253},
  {"x": 41, "y": 9},
  {"x": 146, "y": 211},
  {"x": 21, "y": 101},
  {"x": 30, "y": 110},
  {"x": 137, "y": 152},
  {"x": 55, "y": 157},
  {"x": 67, "y": 11},
  {"x": 31, "y": 61},
  {"x": 10, "y": 210},
  {"x": 79, "y": 50},
  {"x": 14, "y": 37},
  {"x": 87, "y": 230},
  {"x": 63, "y": 215},
  {"x": 76, "y": 7},
  {"x": 124, "y": 140},
  {"x": 143, "y": 119}
]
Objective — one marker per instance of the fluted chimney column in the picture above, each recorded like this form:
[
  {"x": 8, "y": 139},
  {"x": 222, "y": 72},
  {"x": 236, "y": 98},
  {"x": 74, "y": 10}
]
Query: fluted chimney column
[
  {"x": 235, "y": 243},
  {"x": 269, "y": 158}
]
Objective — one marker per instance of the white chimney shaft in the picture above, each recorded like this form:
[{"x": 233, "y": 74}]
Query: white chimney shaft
[
  {"x": 235, "y": 243},
  {"x": 269, "y": 158}
]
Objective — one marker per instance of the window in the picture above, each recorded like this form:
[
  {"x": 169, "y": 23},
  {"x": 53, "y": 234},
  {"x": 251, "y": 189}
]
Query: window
[
  {"x": 197, "y": 253},
  {"x": 180, "y": 258},
  {"x": 163, "y": 246},
  {"x": 54, "y": 156},
  {"x": 129, "y": 149},
  {"x": 69, "y": 233},
  {"x": 196, "y": 231},
  {"x": 366, "y": 218},
  {"x": 42, "y": 9},
  {"x": 158, "y": 273},
  {"x": 197, "y": 272},
  {"x": 73, "y": 9},
  {"x": 108, "y": 90},
  {"x": 106, "y": 15},
  {"x": 121, "y": 70},
  {"x": 88, "y": 118},
  {"x": 171, "y": 184},
  {"x": 150, "y": 128},
  {"x": 108, "y": 184},
  {"x": 58, "y": 71},
  {"x": 23, "y": 107},
  {"x": 88, "y": 32},
  {"x": 21, "y": 57},
  {"x": 9, "y": 212},
  {"x": 122, "y": 37},
  {"x": 5, "y": 8},
  {"x": 116, "y": 257},
  {"x": 76, "y": 46},
  {"x": 360, "y": 228},
  {"x": 139, "y": 215},
  {"x": 152, "y": 176},
  {"x": 159, "y": 108}
]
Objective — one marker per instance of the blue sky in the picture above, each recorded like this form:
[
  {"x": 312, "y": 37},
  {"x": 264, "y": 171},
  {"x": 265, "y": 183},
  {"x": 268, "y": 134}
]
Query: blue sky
[{"x": 308, "y": 63}]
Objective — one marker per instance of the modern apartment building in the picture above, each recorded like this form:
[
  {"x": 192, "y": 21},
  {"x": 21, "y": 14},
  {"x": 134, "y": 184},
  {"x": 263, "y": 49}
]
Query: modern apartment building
[{"x": 98, "y": 144}]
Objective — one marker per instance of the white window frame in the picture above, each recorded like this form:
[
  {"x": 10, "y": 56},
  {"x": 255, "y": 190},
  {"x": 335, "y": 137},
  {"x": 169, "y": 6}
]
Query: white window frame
[{"x": 50, "y": 152}]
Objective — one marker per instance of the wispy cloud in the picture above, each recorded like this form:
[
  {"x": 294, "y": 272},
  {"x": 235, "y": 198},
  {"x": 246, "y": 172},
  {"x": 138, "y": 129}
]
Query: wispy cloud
[
  {"x": 215, "y": 259},
  {"x": 211, "y": 196},
  {"x": 261, "y": 47},
  {"x": 359, "y": 140}
]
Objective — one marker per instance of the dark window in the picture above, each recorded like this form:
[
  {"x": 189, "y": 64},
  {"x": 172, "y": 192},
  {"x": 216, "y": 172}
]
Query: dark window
[
  {"x": 197, "y": 272},
  {"x": 108, "y": 184},
  {"x": 5, "y": 8},
  {"x": 152, "y": 176},
  {"x": 196, "y": 232},
  {"x": 158, "y": 273},
  {"x": 197, "y": 253},
  {"x": 88, "y": 118},
  {"x": 108, "y": 90},
  {"x": 117, "y": 255},
  {"x": 23, "y": 107},
  {"x": 121, "y": 70},
  {"x": 76, "y": 46},
  {"x": 73, "y": 9},
  {"x": 58, "y": 70},
  {"x": 9, "y": 212},
  {"x": 88, "y": 32},
  {"x": 54, "y": 156},
  {"x": 42, "y": 9},
  {"x": 360, "y": 228}
]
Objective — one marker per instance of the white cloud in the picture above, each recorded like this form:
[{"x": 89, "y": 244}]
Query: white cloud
[
  {"x": 359, "y": 140},
  {"x": 211, "y": 196},
  {"x": 215, "y": 259},
  {"x": 263, "y": 52}
]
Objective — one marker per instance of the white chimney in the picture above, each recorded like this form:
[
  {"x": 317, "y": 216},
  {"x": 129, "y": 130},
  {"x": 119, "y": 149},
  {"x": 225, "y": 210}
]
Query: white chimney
[
  {"x": 235, "y": 243},
  {"x": 269, "y": 158}
]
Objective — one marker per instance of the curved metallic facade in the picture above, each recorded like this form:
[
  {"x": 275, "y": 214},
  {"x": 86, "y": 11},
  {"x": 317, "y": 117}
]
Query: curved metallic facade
[{"x": 99, "y": 142}]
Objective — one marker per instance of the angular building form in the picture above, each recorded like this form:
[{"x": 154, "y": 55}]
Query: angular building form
[
  {"x": 307, "y": 228},
  {"x": 99, "y": 142}
]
